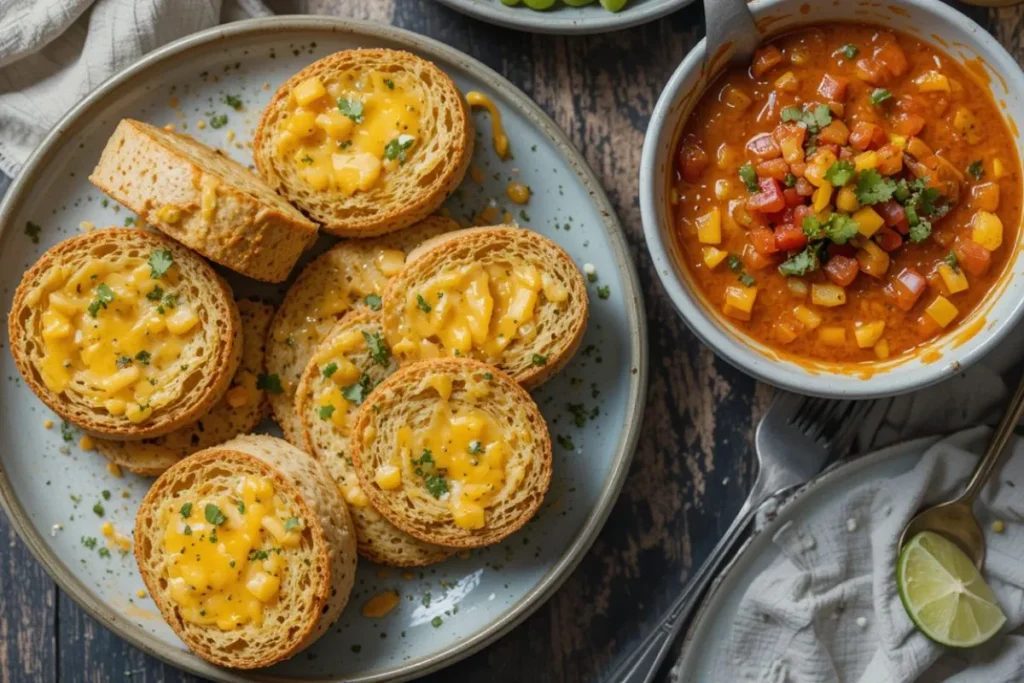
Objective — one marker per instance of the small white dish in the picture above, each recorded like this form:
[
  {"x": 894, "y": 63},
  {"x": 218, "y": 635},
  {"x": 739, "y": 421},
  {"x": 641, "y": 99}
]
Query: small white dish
[
  {"x": 928, "y": 20},
  {"x": 564, "y": 19}
]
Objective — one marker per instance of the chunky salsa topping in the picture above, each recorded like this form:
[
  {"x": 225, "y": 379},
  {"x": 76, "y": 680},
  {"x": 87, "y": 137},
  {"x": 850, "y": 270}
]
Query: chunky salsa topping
[{"x": 849, "y": 196}]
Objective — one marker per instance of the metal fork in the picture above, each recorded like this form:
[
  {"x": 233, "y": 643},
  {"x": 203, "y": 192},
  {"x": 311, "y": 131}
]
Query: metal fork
[{"x": 795, "y": 440}]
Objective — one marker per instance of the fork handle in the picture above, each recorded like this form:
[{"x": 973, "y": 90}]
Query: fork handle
[{"x": 641, "y": 665}]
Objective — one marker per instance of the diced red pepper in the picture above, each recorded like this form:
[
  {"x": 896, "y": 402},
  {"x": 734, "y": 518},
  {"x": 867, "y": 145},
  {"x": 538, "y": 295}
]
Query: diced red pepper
[
  {"x": 909, "y": 124},
  {"x": 803, "y": 187},
  {"x": 800, "y": 213},
  {"x": 763, "y": 240},
  {"x": 890, "y": 159},
  {"x": 755, "y": 260},
  {"x": 830, "y": 146},
  {"x": 763, "y": 146},
  {"x": 867, "y": 136},
  {"x": 891, "y": 56},
  {"x": 833, "y": 87},
  {"x": 888, "y": 239},
  {"x": 790, "y": 238},
  {"x": 764, "y": 59},
  {"x": 906, "y": 288},
  {"x": 973, "y": 257},
  {"x": 692, "y": 162},
  {"x": 847, "y": 250},
  {"x": 773, "y": 168},
  {"x": 792, "y": 197},
  {"x": 891, "y": 212},
  {"x": 769, "y": 197},
  {"x": 841, "y": 270},
  {"x": 872, "y": 71}
]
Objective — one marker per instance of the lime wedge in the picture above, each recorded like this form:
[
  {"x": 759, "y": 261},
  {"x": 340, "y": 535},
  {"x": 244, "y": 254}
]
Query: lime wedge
[{"x": 944, "y": 594}]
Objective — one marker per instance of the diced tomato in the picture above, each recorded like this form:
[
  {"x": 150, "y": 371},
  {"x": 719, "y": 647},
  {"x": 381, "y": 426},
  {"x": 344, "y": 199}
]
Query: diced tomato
[
  {"x": 743, "y": 216},
  {"x": 779, "y": 217},
  {"x": 891, "y": 56},
  {"x": 891, "y": 212},
  {"x": 790, "y": 238},
  {"x": 833, "y": 87},
  {"x": 798, "y": 168},
  {"x": 692, "y": 162},
  {"x": 765, "y": 59},
  {"x": 872, "y": 71},
  {"x": 846, "y": 250},
  {"x": 763, "y": 146},
  {"x": 755, "y": 260},
  {"x": 841, "y": 270},
  {"x": 908, "y": 124},
  {"x": 888, "y": 239},
  {"x": 846, "y": 154},
  {"x": 973, "y": 257},
  {"x": 773, "y": 168},
  {"x": 800, "y": 213},
  {"x": 803, "y": 187},
  {"x": 831, "y": 147},
  {"x": 890, "y": 160},
  {"x": 792, "y": 197},
  {"x": 769, "y": 197},
  {"x": 867, "y": 136},
  {"x": 763, "y": 240},
  {"x": 906, "y": 288}
]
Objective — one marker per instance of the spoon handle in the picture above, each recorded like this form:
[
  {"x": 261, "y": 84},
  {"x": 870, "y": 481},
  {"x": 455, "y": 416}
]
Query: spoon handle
[
  {"x": 996, "y": 445},
  {"x": 730, "y": 22}
]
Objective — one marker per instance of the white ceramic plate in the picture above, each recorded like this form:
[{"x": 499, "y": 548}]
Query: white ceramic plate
[
  {"x": 45, "y": 480},
  {"x": 711, "y": 628},
  {"x": 564, "y": 19}
]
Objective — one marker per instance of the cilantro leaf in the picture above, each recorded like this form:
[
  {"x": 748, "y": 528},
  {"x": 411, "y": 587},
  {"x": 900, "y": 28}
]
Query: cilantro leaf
[
  {"x": 840, "y": 228},
  {"x": 218, "y": 121},
  {"x": 749, "y": 176},
  {"x": 800, "y": 264},
  {"x": 326, "y": 411},
  {"x": 104, "y": 296},
  {"x": 330, "y": 369},
  {"x": 214, "y": 515},
  {"x": 373, "y": 301},
  {"x": 952, "y": 261},
  {"x": 422, "y": 304},
  {"x": 270, "y": 383},
  {"x": 233, "y": 102},
  {"x": 921, "y": 231},
  {"x": 735, "y": 264},
  {"x": 160, "y": 261},
  {"x": 436, "y": 484},
  {"x": 379, "y": 349},
  {"x": 186, "y": 510},
  {"x": 747, "y": 280},
  {"x": 398, "y": 148},
  {"x": 976, "y": 169},
  {"x": 351, "y": 108},
  {"x": 357, "y": 393},
  {"x": 390, "y": 83},
  {"x": 840, "y": 173},
  {"x": 872, "y": 188},
  {"x": 143, "y": 357},
  {"x": 156, "y": 294},
  {"x": 565, "y": 442},
  {"x": 791, "y": 113},
  {"x": 789, "y": 180},
  {"x": 475, "y": 447},
  {"x": 879, "y": 95},
  {"x": 291, "y": 523},
  {"x": 539, "y": 359},
  {"x": 849, "y": 50}
]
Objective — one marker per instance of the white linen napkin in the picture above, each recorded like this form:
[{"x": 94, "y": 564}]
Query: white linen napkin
[
  {"x": 53, "y": 52},
  {"x": 828, "y": 610}
]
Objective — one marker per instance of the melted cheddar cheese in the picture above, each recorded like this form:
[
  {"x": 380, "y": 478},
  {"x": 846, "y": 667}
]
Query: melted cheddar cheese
[
  {"x": 474, "y": 310},
  {"x": 498, "y": 137},
  {"x": 341, "y": 392},
  {"x": 460, "y": 457},
  {"x": 348, "y": 134},
  {"x": 226, "y": 555},
  {"x": 114, "y": 333}
]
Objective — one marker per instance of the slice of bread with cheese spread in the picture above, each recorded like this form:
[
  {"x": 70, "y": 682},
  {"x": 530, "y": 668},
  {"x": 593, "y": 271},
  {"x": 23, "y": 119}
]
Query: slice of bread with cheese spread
[
  {"x": 502, "y": 295},
  {"x": 203, "y": 199},
  {"x": 351, "y": 360},
  {"x": 453, "y": 452},
  {"x": 350, "y": 275},
  {"x": 125, "y": 333},
  {"x": 238, "y": 412},
  {"x": 247, "y": 550},
  {"x": 366, "y": 141}
]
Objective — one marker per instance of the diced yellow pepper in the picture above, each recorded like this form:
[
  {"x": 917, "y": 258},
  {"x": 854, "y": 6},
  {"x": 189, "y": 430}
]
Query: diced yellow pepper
[
  {"x": 942, "y": 311},
  {"x": 868, "y": 221},
  {"x": 792, "y": 150},
  {"x": 713, "y": 257},
  {"x": 723, "y": 189},
  {"x": 898, "y": 141},
  {"x": 784, "y": 333},
  {"x": 725, "y": 156},
  {"x": 998, "y": 169},
  {"x": 872, "y": 259},
  {"x": 709, "y": 227},
  {"x": 822, "y": 196},
  {"x": 735, "y": 98},
  {"x": 739, "y": 301},
  {"x": 796, "y": 287},
  {"x": 832, "y": 336},
  {"x": 933, "y": 81},
  {"x": 787, "y": 82},
  {"x": 828, "y": 295},
  {"x": 955, "y": 280},
  {"x": 866, "y": 160},
  {"x": 987, "y": 230},
  {"x": 882, "y": 349},
  {"x": 846, "y": 200},
  {"x": 809, "y": 318},
  {"x": 965, "y": 122},
  {"x": 818, "y": 167},
  {"x": 868, "y": 334}
]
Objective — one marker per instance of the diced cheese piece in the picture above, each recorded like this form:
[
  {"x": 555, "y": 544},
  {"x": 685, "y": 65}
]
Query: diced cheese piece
[
  {"x": 713, "y": 256},
  {"x": 987, "y": 230},
  {"x": 955, "y": 280},
  {"x": 309, "y": 90},
  {"x": 388, "y": 477},
  {"x": 263, "y": 586},
  {"x": 122, "y": 378},
  {"x": 942, "y": 311},
  {"x": 709, "y": 227},
  {"x": 739, "y": 301},
  {"x": 828, "y": 295},
  {"x": 301, "y": 123},
  {"x": 181, "y": 321},
  {"x": 335, "y": 124},
  {"x": 868, "y": 334},
  {"x": 868, "y": 221}
]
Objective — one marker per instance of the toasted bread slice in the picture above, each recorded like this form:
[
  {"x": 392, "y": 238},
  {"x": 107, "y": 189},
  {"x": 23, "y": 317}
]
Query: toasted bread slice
[
  {"x": 365, "y": 142},
  {"x": 339, "y": 280},
  {"x": 238, "y": 412},
  {"x": 453, "y": 452},
  {"x": 125, "y": 333},
  {"x": 503, "y": 295},
  {"x": 204, "y": 200},
  {"x": 348, "y": 363},
  {"x": 291, "y": 549}
]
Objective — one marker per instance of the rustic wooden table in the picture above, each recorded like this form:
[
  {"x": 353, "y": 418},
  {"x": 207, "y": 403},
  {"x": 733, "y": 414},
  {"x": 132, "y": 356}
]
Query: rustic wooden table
[{"x": 693, "y": 463}]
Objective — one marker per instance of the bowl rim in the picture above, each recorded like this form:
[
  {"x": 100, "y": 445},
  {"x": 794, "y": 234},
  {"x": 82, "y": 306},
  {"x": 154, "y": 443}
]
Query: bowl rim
[{"x": 740, "y": 350}]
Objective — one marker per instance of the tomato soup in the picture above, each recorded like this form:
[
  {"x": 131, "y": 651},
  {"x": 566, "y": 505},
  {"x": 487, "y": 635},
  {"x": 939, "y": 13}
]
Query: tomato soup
[{"x": 853, "y": 194}]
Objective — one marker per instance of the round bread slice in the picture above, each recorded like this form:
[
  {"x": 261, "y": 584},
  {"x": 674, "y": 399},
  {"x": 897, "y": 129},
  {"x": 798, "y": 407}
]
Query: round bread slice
[
  {"x": 296, "y": 538},
  {"x": 238, "y": 412},
  {"x": 203, "y": 199},
  {"x": 453, "y": 452},
  {"x": 348, "y": 363},
  {"x": 125, "y": 333},
  {"x": 365, "y": 142},
  {"x": 438, "y": 305},
  {"x": 337, "y": 281}
]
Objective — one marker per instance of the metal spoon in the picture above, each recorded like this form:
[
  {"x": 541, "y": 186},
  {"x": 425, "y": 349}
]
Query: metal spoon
[
  {"x": 955, "y": 519},
  {"x": 730, "y": 22}
]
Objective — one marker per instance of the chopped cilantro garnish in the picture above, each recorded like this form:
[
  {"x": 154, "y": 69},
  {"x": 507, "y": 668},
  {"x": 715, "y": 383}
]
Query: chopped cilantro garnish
[
  {"x": 436, "y": 622},
  {"x": 129, "y": 220},
  {"x": 103, "y": 552},
  {"x": 330, "y": 369},
  {"x": 749, "y": 176},
  {"x": 849, "y": 50},
  {"x": 104, "y": 296},
  {"x": 604, "y": 292},
  {"x": 241, "y": 507},
  {"x": 380, "y": 352},
  {"x": 791, "y": 113},
  {"x": 98, "y": 509},
  {"x": 186, "y": 510},
  {"x": 143, "y": 357},
  {"x": 952, "y": 261},
  {"x": 67, "y": 431},
  {"x": 422, "y": 304},
  {"x": 373, "y": 301},
  {"x": 233, "y": 102},
  {"x": 747, "y": 280},
  {"x": 838, "y": 228},
  {"x": 33, "y": 230},
  {"x": 840, "y": 173},
  {"x": 398, "y": 148},
  {"x": 921, "y": 231},
  {"x": 390, "y": 83},
  {"x": 306, "y": 159},
  {"x": 976, "y": 169},
  {"x": 89, "y": 542},
  {"x": 735, "y": 265},
  {"x": 539, "y": 359},
  {"x": 872, "y": 188},
  {"x": 565, "y": 442},
  {"x": 160, "y": 261},
  {"x": 106, "y": 494},
  {"x": 326, "y": 411},
  {"x": 357, "y": 393},
  {"x": 436, "y": 484},
  {"x": 123, "y": 361},
  {"x": 351, "y": 108},
  {"x": 214, "y": 515},
  {"x": 475, "y": 447},
  {"x": 800, "y": 264},
  {"x": 155, "y": 294},
  {"x": 815, "y": 119},
  {"x": 187, "y": 530},
  {"x": 291, "y": 523},
  {"x": 271, "y": 383},
  {"x": 218, "y": 121},
  {"x": 879, "y": 95},
  {"x": 789, "y": 180}
]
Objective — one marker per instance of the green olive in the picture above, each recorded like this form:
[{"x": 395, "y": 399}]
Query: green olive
[
  {"x": 613, "y": 5},
  {"x": 539, "y": 4},
  {"x": 577, "y": 3},
  {"x": 510, "y": 3}
]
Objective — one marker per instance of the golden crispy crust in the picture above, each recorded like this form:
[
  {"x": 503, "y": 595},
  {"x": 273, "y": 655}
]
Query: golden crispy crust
[
  {"x": 416, "y": 189},
  {"x": 222, "y": 335},
  {"x": 405, "y": 399}
]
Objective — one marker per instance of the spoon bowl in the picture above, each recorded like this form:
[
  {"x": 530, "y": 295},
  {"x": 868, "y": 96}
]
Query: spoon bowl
[{"x": 954, "y": 520}]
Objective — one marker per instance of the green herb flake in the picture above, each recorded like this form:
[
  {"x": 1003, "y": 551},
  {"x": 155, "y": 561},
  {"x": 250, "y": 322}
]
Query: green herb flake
[
  {"x": 214, "y": 515},
  {"x": 398, "y": 148},
  {"x": 160, "y": 261},
  {"x": 89, "y": 542},
  {"x": 104, "y": 553},
  {"x": 800, "y": 264},
  {"x": 976, "y": 169},
  {"x": 952, "y": 261},
  {"x": 98, "y": 509},
  {"x": 357, "y": 393},
  {"x": 233, "y": 102},
  {"x": 104, "y": 296},
  {"x": 747, "y": 280},
  {"x": 143, "y": 357},
  {"x": 291, "y": 524},
  {"x": 604, "y": 292},
  {"x": 422, "y": 304},
  {"x": 187, "y": 530},
  {"x": 380, "y": 352},
  {"x": 156, "y": 294},
  {"x": 872, "y": 188},
  {"x": 218, "y": 121},
  {"x": 789, "y": 180},
  {"x": 565, "y": 442},
  {"x": 475, "y": 447},
  {"x": 185, "y": 511},
  {"x": 436, "y": 484},
  {"x": 373, "y": 301},
  {"x": 390, "y": 83},
  {"x": 351, "y": 108},
  {"x": 33, "y": 230},
  {"x": 123, "y": 362},
  {"x": 326, "y": 411},
  {"x": 849, "y": 50},
  {"x": 330, "y": 369},
  {"x": 105, "y": 494},
  {"x": 270, "y": 383},
  {"x": 840, "y": 173},
  {"x": 539, "y": 359},
  {"x": 879, "y": 95},
  {"x": 734, "y": 263},
  {"x": 749, "y": 176},
  {"x": 436, "y": 622}
]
